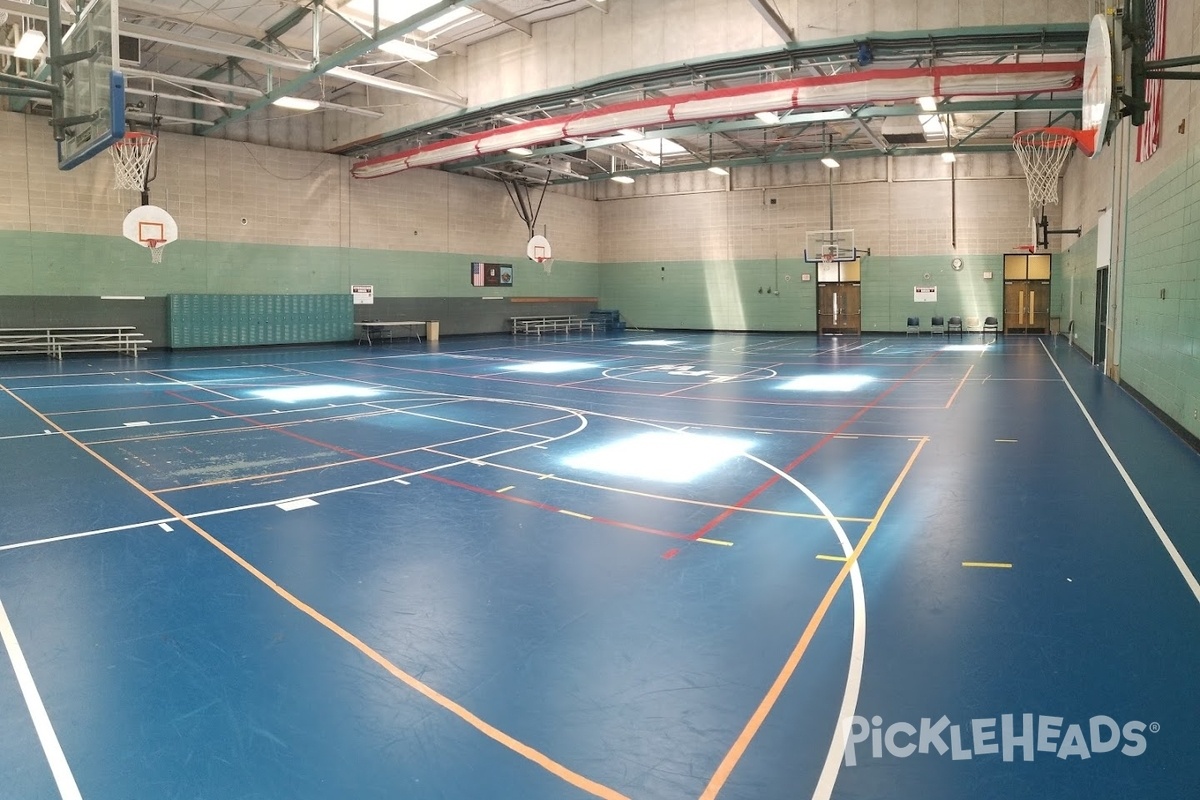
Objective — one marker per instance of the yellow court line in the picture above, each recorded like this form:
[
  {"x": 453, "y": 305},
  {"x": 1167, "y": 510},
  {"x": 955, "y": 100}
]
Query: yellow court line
[
  {"x": 574, "y": 514},
  {"x": 716, "y": 541},
  {"x": 824, "y": 557},
  {"x": 725, "y": 768},
  {"x": 958, "y": 388},
  {"x": 993, "y": 564},
  {"x": 492, "y": 732}
]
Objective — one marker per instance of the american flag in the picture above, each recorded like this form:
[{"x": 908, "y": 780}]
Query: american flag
[{"x": 1151, "y": 130}]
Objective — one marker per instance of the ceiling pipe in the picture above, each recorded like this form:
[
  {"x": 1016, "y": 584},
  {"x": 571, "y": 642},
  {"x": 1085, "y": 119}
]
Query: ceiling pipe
[{"x": 869, "y": 86}]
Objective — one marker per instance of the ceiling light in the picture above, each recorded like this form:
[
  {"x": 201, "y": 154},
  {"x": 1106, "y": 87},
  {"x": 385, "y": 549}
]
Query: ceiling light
[
  {"x": 30, "y": 43},
  {"x": 633, "y": 133},
  {"x": 830, "y": 162},
  {"x": 769, "y": 117},
  {"x": 408, "y": 50},
  {"x": 520, "y": 151},
  {"x": 948, "y": 157},
  {"x": 927, "y": 103},
  {"x": 718, "y": 170},
  {"x": 622, "y": 178},
  {"x": 296, "y": 103}
]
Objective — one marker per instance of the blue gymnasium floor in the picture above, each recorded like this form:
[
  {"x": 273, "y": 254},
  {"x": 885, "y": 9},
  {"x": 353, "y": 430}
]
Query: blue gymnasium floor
[{"x": 654, "y": 567}]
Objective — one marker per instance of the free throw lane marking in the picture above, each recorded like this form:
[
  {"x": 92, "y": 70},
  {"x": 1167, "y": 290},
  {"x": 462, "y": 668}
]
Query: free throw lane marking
[
  {"x": 992, "y": 564},
  {"x": 41, "y": 720},
  {"x": 292, "y": 505},
  {"x": 1181, "y": 565},
  {"x": 568, "y": 775}
]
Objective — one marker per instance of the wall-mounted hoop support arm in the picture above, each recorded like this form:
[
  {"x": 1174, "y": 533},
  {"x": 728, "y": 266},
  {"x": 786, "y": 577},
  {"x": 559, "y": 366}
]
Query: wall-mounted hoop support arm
[
  {"x": 1044, "y": 232},
  {"x": 71, "y": 58}
]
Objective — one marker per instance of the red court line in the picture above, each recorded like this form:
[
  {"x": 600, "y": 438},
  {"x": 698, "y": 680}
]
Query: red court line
[
  {"x": 826, "y": 439},
  {"x": 439, "y": 478}
]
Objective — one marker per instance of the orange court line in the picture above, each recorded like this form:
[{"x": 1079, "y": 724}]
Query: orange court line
[
  {"x": 536, "y": 756},
  {"x": 958, "y": 389},
  {"x": 726, "y": 767}
]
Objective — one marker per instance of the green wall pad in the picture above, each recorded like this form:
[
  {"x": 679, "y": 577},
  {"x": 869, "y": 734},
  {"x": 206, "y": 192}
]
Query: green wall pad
[{"x": 239, "y": 320}]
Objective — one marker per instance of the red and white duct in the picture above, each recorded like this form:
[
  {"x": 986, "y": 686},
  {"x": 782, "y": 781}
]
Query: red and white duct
[{"x": 832, "y": 91}]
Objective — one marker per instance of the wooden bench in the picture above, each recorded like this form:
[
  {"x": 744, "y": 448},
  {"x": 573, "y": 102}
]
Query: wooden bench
[
  {"x": 53, "y": 341},
  {"x": 553, "y": 324}
]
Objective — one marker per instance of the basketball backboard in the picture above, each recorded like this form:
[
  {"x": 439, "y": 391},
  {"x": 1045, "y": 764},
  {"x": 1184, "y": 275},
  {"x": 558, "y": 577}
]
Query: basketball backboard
[
  {"x": 1098, "y": 85},
  {"x": 93, "y": 88},
  {"x": 829, "y": 245}
]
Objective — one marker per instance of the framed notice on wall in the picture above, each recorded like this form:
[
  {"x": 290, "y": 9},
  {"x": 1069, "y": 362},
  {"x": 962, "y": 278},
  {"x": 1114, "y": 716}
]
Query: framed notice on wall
[
  {"x": 363, "y": 295},
  {"x": 924, "y": 294},
  {"x": 485, "y": 274}
]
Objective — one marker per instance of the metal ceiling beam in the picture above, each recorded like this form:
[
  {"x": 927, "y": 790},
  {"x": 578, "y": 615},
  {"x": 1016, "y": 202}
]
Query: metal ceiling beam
[
  {"x": 776, "y": 22},
  {"x": 599, "y": 5},
  {"x": 244, "y": 53},
  {"x": 345, "y": 56},
  {"x": 32, "y": 11},
  {"x": 201, "y": 19},
  {"x": 214, "y": 85},
  {"x": 502, "y": 16}
]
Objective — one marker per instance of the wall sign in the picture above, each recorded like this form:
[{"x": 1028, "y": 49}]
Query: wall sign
[
  {"x": 924, "y": 294},
  {"x": 485, "y": 274},
  {"x": 363, "y": 295}
]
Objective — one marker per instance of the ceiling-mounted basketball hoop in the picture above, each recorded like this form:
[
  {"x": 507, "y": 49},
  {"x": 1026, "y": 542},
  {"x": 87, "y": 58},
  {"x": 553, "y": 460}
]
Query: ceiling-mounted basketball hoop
[
  {"x": 1042, "y": 153},
  {"x": 151, "y": 227}
]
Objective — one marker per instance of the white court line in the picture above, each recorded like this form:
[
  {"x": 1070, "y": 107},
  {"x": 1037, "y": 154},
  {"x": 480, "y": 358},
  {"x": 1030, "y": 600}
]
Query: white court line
[
  {"x": 1180, "y": 564},
  {"x": 192, "y": 385},
  {"x": 858, "y": 640},
  {"x": 165, "y": 527},
  {"x": 59, "y": 767},
  {"x": 85, "y": 534},
  {"x": 292, "y": 505}
]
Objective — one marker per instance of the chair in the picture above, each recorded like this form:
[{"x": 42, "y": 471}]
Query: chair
[
  {"x": 914, "y": 326},
  {"x": 990, "y": 324},
  {"x": 954, "y": 325},
  {"x": 938, "y": 325}
]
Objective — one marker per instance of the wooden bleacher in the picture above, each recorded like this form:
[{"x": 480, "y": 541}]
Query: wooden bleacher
[{"x": 54, "y": 341}]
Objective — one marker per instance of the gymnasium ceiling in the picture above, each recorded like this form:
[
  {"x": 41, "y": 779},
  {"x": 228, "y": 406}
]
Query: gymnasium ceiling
[{"x": 214, "y": 62}]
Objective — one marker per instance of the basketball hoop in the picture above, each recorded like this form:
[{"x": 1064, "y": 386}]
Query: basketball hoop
[
  {"x": 1042, "y": 152},
  {"x": 156, "y": 250},
  {"x": 131, "y": 157}
]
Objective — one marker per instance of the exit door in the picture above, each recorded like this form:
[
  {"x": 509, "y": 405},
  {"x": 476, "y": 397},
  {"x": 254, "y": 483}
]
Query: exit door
[
  {"x": 1027, "y": 293},
  {"x": 839, "y": 298}
]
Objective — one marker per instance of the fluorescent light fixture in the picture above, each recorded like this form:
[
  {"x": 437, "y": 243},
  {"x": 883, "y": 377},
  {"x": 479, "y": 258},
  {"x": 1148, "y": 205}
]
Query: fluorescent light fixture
[
  {"x": 654, "y": 149},
  {"x": 948, "y": 157},
  {"x": 718, "y": 170},
  {"x": 408, "y": 50},
  {"x": 932, "y": 125},
  {"x": 390, "y": 11},
  {"x": 520, "y": 151},
  {"x": 927, "y": 103},
  {"x": 549, "y": 367},
  {"x": 622, "y": 178},
  {"x": 633, "y": 133},
  {"x": 769, "y": 117},
  {"x": 846, "y": 382},
  {"x": 451, "y": 19},
  {"x": 30, "y": 44},
  {"x": 296, "y": 103},
  {"x": 830, "y": 162},
  {"x": 663, "y": 456},
  {"x": 317, "y": 391}
]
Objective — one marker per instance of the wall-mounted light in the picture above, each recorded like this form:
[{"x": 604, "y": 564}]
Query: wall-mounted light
[{"x": 30, "y": 44}]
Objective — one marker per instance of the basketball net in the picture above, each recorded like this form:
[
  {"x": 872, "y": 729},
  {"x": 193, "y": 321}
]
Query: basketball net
[
  {"x": 546, "y": 263},
  {"x": 1042, "y": 152},
  {"x": 156, "y": 250},
  {"x": 131, "y": 157}
]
